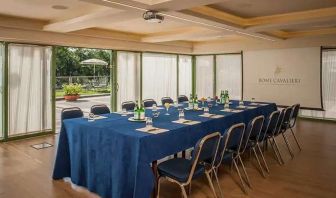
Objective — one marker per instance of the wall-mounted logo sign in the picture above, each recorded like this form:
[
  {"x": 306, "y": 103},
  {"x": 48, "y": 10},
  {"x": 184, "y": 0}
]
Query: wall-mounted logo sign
[{"x": 280, "y": 77}]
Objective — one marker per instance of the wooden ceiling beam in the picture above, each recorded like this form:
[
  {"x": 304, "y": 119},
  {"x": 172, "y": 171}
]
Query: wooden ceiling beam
[
  {"x": 295, "y": 34},
  {"x": 272, "y": 20}
]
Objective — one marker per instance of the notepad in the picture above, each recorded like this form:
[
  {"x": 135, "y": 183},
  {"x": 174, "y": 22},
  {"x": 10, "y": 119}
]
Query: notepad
[
  {"x": 153, "y": 130},
  {"x": 211, "y": 116},
  {"x": 232, "y": 110},
  {"x": 187, "y": 122}
]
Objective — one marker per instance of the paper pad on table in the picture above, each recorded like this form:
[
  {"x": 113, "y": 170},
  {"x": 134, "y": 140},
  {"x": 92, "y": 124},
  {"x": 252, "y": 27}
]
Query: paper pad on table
[
  {"x": 153, "y": 130},
  {"x": 188, "y": 122},
  {"x": 211, "y": 116},
  {"x": 232, "y": 110}
]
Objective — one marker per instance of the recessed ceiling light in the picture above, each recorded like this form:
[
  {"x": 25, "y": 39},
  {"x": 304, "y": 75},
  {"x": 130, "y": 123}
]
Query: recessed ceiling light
[{"x": 59, "y": 7}]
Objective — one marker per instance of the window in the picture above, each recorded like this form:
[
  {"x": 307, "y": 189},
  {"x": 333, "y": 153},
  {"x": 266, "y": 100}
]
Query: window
[
  {"x": 29, "y": 89},
  {"x": 204, "y": 76},
  {"x": 229, "y": 75},
  {"x": 328, "y": 87},
  {"x": 128, "y": 76},
  {"x": 329, "y": 83},
  {"x": 159, "y": 76},
  {"x": 185, "y": 75},
  {"x": 2, "y": 60}
]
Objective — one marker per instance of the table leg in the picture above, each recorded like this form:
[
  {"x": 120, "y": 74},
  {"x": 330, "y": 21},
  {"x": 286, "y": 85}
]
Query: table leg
[{"x": 156, "y": 176}]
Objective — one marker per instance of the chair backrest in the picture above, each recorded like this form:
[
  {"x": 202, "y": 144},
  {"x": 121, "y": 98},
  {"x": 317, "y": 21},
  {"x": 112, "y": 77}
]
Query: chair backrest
[
  {"x": 295, "y": 113},
  {"x": 149, "y": 103},
  {"x": 128, "y": 105},
  {"x": 231, "y": 140},
  {"x": 287, "y": 117},
  {"x": 206, "y": 148},
  {"x": 253, "y": 130},
  {"x": 182, "y": 98},
  {"x": 100, "y": 109},
  {"x": 280, "y": 122},
  {"x": 270, "y": 125},
  {"x": 165, "y": 100},
  {"x": 70, "y": 113}
]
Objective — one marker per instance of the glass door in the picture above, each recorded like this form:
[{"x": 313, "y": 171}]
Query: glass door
[{"x": 29, "y": 89}]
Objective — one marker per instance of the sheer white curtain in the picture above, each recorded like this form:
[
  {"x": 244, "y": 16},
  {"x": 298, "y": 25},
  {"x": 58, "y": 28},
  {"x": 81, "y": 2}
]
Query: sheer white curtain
[
  {"x": 29, "y": 89},
  {"x": 159, "y": 76},
  {"x": 328, "y": 88},
  {"x": 128, "y": 77},
  {"x": 229, "y": 75},
  {"x": 185, "y": 75},
  {"x": 204, "y": 76},
  {"x": 329, "y": 82},
  {"x": 2, "y": 51}
]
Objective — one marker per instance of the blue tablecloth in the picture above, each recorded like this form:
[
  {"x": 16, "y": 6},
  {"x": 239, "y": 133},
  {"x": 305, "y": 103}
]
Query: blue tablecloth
[{"x": 110, "y": 158}]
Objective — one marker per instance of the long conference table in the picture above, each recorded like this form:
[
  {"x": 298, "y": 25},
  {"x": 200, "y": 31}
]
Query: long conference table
[{"x": 112, "y": 159}]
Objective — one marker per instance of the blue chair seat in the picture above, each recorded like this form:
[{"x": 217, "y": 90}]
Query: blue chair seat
[{"x": 179, "y": 169}]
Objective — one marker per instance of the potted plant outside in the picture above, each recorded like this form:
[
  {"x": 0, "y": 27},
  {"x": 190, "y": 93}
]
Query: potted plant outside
[{"x": 71, "y": 91}]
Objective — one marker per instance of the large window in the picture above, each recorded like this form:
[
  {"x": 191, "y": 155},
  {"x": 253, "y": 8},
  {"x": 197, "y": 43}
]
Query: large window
[
  {"x": 204, "y": 76},
  {"x": 328, "y": 87},
  {"x": 185, "y": 75},
  {"x": 229, "y": 75},
  {"x": 2, "y": 51},
  {"x": 329, "y": 82},
  {"x": 159, "y": 76},
  {"x": 128, "y": 75},
  {"x": 29, "y": 89}
]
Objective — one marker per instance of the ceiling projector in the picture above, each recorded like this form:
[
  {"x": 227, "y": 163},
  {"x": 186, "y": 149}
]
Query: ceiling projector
[{"x": 153, "y": 16}]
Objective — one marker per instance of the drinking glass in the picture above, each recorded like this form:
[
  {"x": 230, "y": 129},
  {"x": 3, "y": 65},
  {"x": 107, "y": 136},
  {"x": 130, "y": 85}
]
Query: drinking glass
[
  {"x": 149, "y": 123},
  {"x": 181, "y": 114},
  {"x": 210, "y": 105},
  {"x": 167, "y": 105},
  {"x": 124, "y": 112},
  {"x": 154, "y": 107},
  {"x": 206, "y": 111},
  {"x": 91, "y": 117}
]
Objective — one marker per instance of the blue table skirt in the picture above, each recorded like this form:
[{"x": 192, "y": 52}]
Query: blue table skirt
[{"x": 110, "y": 158}]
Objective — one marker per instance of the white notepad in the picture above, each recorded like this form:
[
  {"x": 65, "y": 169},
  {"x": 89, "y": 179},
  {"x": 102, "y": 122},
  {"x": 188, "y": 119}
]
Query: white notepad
[
  {"x": 211, "y": 116},
  {"x": 153, "y": 130},
  {"x": 187, "y": 122}
]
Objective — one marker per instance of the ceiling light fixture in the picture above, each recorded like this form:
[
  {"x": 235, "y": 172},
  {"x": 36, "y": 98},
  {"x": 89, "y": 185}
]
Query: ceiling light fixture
[
  {"x": 59, "y": 7},
  {"x": 189, "y": 20}
]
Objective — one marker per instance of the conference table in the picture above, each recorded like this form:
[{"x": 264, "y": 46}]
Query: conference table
[{"x": 111, "y": 158}]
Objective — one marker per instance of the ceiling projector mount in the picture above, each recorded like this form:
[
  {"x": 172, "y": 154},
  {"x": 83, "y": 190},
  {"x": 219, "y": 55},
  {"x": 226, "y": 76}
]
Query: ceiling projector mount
[{"x": 153, "y": 16}]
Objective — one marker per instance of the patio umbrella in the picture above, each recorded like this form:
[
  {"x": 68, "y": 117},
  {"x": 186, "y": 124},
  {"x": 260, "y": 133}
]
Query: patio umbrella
[{"x": 94, "y": 62}]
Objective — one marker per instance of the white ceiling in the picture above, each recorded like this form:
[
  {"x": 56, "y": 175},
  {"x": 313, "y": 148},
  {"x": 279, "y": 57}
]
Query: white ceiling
[
  {"x": 42, "y": 9},
  {"x": 126, "y": 16}
]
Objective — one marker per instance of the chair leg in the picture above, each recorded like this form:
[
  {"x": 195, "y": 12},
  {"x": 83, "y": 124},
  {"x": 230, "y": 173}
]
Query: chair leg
[
  {"x": 158, "y": 187},
  {"x": 240, "y": 177},
  {"x": 277, "y": 148},
  {"x": 210, "y": 183},
  {"x": 276, "y": 153},
  {"x": 288, "y": 145},
  {"x": 189, "y": 189},
  {"x": 297, "y": 142},
  {"x": 217, "y": 181},
  {"x": 245, "y": 173},
  {"x": 263, "y": 158},
  {"x": 184, "y": 193},
  {"x": 261, "y": 168}
]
